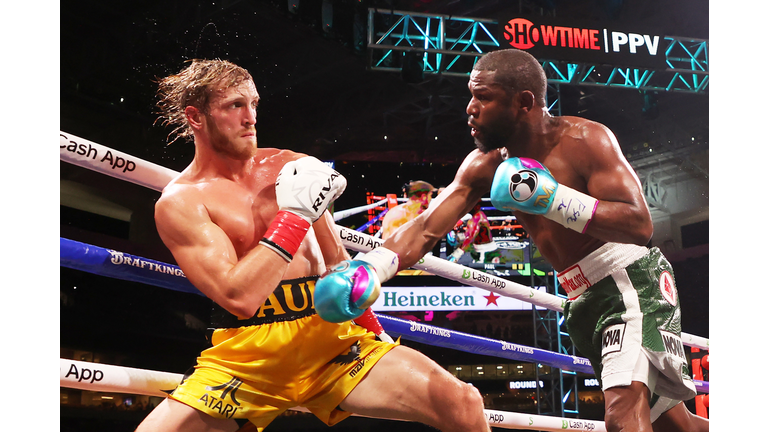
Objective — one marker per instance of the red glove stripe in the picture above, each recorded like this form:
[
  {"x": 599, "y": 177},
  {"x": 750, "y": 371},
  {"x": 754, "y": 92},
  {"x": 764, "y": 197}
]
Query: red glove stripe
[
  {"x": 285, "y": 233},
  {"x": 370, "y": 322}
]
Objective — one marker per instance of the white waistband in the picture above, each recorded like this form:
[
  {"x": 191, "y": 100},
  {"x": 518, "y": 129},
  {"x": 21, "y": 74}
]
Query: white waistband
[{"x": 604, "y": 261}]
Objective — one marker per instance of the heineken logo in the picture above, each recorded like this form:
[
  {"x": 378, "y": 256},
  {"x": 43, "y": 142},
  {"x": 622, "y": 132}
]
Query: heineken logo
[
  {"x": 449, "y": 298},
  {"x": 438, "y": 299}
]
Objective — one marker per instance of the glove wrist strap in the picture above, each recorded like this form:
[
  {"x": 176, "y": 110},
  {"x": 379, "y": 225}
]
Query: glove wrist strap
[
  {"x": 371, "y": 323},
  {"x": 285, "y": 234},
  {"x": 384, "y": 261},
  {"x": 572, "y": 209}
]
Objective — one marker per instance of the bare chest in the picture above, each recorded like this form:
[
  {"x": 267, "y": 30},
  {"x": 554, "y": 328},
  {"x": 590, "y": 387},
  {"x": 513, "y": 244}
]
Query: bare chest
[{"x": 243, "y": 213}]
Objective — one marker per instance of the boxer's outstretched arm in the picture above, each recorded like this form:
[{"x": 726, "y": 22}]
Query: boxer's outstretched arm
[
  {"x": 329, "y": 241},
  {"x": 348, "y": 289},
  {"x": 473, "y": 180}
]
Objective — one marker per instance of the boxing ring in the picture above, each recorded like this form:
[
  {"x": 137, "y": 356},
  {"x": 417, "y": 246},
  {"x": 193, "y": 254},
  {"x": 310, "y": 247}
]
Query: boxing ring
[{"x": 119, "y": 265}]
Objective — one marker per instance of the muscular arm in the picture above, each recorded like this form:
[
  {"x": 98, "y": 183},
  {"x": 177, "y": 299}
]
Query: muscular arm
[
  {"x": 417, "y": 237},
  {"x": 622, "y": 214},
  {"x": 208, "y": 258},
  {"x": 328, "y": 238}
]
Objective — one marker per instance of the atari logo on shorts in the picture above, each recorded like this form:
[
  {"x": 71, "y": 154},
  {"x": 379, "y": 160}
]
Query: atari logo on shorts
[
  {"x": 613, "y": 336},
  {"x": 220, "y": 404}
]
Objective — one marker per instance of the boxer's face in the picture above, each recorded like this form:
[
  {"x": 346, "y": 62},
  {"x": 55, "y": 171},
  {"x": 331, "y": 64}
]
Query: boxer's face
[
  {"x": 491, "y": 112},
  {"x": 231, "y": 120}
]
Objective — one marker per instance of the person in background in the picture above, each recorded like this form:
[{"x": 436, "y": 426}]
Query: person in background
[
  {"x": 419, "y": 194},
  {"x": 475, "y": 236}
]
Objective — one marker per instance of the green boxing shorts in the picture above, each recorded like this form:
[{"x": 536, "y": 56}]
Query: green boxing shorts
[{"x": 623, "y": 315}]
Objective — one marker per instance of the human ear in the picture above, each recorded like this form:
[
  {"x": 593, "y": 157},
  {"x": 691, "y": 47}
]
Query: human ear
[
  {"x": 194, "y": 117},
  {"x": 526, "y": 100}
]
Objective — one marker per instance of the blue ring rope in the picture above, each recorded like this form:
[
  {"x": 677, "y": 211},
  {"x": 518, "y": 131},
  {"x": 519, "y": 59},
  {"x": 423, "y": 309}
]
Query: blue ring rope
[
  {"x": 119, "y": 265},
  {"x": 445, "y": 338},
  {"x": 372, "y": 221}
]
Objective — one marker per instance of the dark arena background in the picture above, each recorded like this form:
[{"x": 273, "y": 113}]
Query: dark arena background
[{"x": 384, "y": 110}]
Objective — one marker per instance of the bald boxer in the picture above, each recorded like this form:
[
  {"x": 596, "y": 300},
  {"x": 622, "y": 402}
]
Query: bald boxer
[{"x": 568, "y": 183}]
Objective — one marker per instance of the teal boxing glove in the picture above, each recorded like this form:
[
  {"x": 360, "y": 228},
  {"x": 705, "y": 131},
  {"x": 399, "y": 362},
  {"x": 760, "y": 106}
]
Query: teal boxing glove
[
  {"x": 349, "y": 288},
  {"x": 522, "y": 184},
  {"x": 346, "y": 291}
]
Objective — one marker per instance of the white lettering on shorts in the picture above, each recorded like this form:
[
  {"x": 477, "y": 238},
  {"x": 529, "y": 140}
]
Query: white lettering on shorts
[
  {"x": 613, "y": 336},
  {"x": 673, "y": 344},
  {"x": 667, "y": 287}
]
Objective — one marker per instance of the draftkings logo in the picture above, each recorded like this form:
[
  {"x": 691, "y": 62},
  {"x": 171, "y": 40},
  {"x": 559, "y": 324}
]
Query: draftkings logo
[{"x": 225, "y": 403}]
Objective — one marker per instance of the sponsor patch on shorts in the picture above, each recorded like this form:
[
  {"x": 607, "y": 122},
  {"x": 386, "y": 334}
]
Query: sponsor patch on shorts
[
  {"x": 573, "y": 281},
  {"x": 362, "y": 362},
  {"x": 667, "y": 288},
  {"x": 673, "y": 344},
  {"x": 224, "y": 403},
  {"x": 613, "y": 337}
]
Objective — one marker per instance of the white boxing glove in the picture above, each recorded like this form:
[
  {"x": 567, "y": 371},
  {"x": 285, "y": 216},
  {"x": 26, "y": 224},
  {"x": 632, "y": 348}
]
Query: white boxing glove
[
  {"x": 304, "y": 189},
  {"x": 307, "y": 187}
]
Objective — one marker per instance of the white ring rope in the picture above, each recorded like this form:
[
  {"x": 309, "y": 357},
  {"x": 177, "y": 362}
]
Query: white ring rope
[
  {"x": 101, "y": 377},
  {"x": 116, "y": 379},
  {"x": 341, "y": 214},
  {"x": 97, "y": 157},
  {"x": 501, "y": 218}
]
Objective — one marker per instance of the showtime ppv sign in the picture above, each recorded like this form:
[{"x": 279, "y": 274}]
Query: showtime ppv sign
[{"x": 548, "y": 39}]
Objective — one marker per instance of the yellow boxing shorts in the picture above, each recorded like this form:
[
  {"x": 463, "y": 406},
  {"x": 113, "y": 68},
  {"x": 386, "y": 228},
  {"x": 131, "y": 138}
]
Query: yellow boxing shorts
[{"x": 283, "y": 357}]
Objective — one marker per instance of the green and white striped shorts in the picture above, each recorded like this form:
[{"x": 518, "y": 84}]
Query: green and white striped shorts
[{"x": 623, "y": 315}]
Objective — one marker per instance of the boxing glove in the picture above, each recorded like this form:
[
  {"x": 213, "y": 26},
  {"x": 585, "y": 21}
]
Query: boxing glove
[
  {"x": 307, "y": 187},
  {"x": 349, "y": 288},
  {"x": 304, "y": 189},
  {"x": 522, "y": 184}
]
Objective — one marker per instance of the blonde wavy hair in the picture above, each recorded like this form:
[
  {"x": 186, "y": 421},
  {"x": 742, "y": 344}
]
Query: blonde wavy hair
[{"x": 194, "y": 86}]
